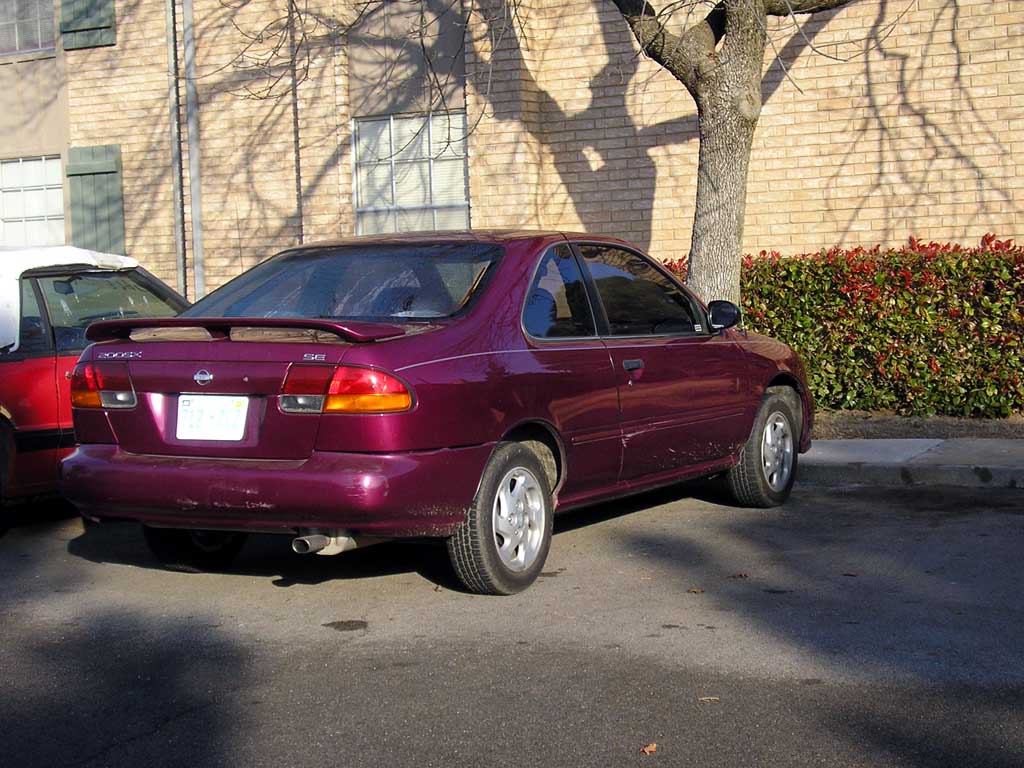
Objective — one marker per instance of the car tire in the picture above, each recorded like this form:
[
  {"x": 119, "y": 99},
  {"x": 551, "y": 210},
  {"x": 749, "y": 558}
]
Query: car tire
[
  {"x": 501, "y": 547},
  {"x": 764, "y": 475},
  {"x": 194, "y": 551}
]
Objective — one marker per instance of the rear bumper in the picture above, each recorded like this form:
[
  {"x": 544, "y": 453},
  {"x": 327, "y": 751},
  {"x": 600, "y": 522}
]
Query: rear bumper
[{"x": 405, "y": 494}]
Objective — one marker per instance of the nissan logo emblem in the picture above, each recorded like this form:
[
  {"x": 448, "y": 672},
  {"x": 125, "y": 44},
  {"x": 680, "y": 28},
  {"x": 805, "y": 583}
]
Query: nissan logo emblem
[{"x": 203, "y": 377}]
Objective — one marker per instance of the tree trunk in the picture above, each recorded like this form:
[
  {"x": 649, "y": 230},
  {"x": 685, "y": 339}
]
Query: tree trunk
[{"x": 726, "y": 139}]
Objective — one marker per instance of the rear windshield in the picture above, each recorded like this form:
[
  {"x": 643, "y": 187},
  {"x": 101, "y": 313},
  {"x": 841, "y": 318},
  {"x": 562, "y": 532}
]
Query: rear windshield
[
  {"x": 76, "y": 300},
  {"x": 376, "y": 282}
]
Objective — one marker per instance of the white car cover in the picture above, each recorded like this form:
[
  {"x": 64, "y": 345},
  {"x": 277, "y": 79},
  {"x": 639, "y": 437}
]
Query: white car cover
[{"x": 15, "y": 261}]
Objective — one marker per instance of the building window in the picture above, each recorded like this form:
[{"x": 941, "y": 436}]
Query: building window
[
  {"x": 411, "y": 173},
  {"x": 31, "y": 201},
  {"x": 26, "y": 25}
]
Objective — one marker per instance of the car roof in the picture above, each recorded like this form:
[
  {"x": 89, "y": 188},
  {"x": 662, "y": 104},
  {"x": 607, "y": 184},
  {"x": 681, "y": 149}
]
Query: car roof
[
  {"x": 495, "y": 236},
  {"x": 14, "y": 262}
]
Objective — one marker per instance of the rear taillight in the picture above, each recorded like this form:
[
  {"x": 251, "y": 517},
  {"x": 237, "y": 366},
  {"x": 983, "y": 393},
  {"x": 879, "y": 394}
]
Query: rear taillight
[
  {"x": 343, "y": 389},
  {"x": 102, "y": 385}
]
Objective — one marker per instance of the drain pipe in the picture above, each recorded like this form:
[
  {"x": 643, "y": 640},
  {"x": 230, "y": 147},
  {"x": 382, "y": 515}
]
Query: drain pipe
[
  {"x": 192, "y": 121},
  {"x": 177, "y": 171}
]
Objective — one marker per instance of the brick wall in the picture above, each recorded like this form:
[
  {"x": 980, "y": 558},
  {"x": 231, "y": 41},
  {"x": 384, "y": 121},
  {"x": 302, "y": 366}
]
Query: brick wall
[
  {"x": 892, "y": 126},
  {"x": 896, "y": 118}
]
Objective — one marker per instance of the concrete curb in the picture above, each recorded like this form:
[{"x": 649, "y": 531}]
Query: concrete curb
[{"x": 964, "y": 463}]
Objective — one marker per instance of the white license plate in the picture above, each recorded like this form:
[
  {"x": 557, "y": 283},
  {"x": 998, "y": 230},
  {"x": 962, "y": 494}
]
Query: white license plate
[{"x": 211, "y": 417}]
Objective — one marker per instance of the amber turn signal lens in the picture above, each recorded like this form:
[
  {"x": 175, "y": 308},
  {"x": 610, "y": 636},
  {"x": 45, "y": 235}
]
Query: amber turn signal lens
[
  {"x": 85, "y": 390},
  {"x": 365, "y": 390}
]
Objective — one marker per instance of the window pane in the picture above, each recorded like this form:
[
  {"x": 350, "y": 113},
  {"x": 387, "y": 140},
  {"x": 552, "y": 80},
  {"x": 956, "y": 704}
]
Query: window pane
[
  {"x": 415, "y": 221},
  {"x": 412, "y": 184},
  {"x": 451, "y": 218},
  {"x": 8, "y": 39},
  {"x": 75, "y": 301},
  {"x": 12, "y": 205},
  {"x": 448, "y": 137},
  {"x": 46, "y": 31},
  {"x": 32, "y": 336},
  {"x": 32, "y": 173},
  {"x": 52, "y": 172},
  {"x": 10, "y": 174},
  {"x": 28, "y": 35},
  {"x": 449, "y": 181},
  {"x": 54, "y": 205},
  {"x": 375, "y": 186},
  {"x": 375, "y": 222},
  {"x": 557, "y": 305},
  {"x": 637, "y": 298},
  {"x": 373, "y": 140},
  {"x": 410, "y": 138}
]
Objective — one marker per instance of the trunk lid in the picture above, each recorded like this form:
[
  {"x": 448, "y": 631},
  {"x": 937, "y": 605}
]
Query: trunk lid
[{"x": 210, "y": 387}]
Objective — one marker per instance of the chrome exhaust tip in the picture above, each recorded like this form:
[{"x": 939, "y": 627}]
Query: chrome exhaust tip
[{"x": 308, "y": 545}]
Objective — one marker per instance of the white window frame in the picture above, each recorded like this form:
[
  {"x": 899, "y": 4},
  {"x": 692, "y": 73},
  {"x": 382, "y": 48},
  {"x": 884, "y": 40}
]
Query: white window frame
[
  {"x": 392, "y": 161},
  {"x": 39, "y": 20},
  {"x": 22, "y": 189}
]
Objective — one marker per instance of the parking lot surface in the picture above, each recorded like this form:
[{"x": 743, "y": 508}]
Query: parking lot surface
[{"x": 852, "y": 627}]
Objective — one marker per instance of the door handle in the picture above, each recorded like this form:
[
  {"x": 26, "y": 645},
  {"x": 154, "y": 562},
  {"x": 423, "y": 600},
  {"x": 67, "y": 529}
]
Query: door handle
[{"x": 632, "y": 365}]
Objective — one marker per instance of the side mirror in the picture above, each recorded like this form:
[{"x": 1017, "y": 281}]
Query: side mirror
[{"x": 724, "y": 314}]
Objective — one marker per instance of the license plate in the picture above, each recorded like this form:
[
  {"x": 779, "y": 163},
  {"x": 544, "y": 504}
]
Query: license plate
[{"x": 211, "y": 417}]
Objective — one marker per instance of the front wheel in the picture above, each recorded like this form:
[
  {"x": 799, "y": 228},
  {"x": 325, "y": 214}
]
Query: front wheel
[
  {"x": 190, "y": 550},
  {"x": 501, "y": 547},
  {"x": 764, "y": 475}
]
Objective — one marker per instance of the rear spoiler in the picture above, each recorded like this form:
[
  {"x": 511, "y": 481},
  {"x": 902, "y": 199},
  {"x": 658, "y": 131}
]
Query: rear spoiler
[{"x": 220, "y": 327}]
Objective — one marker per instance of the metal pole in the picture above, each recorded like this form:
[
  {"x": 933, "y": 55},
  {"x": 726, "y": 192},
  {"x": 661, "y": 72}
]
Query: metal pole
[
  {"x": 177, "y": 171},
  {"x": 192, "y": 121}
]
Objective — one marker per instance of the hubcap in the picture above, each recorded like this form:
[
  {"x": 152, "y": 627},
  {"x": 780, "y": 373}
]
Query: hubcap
[
  {"x": 519, "y": 519},
  {"x": 777, "y": 451}
]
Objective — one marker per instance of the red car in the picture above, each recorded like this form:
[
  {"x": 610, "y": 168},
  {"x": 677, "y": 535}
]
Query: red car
[
  {"x": 47, "y": 298},
  {"x": 460, "y": 386}
]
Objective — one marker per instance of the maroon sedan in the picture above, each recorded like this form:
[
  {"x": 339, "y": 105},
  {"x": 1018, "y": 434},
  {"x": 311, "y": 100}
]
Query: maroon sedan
[{"x": 461, "y": 386}]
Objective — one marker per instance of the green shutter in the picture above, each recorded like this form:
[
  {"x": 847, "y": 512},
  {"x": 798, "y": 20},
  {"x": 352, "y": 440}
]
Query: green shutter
[
  {"x": 97, "y": 201},
  {"x": 87, "y": 23}
]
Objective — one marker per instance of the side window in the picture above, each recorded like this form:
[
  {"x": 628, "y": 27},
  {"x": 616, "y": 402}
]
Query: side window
[
  {"x": 32, "y": 334},
  {"x": 637, "y": 298},
  {"x": 557, "y": 306}
]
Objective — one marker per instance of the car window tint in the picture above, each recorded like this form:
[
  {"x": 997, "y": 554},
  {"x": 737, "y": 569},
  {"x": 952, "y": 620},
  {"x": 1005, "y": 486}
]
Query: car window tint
[
  {"x": 637, "y": 298},
  {"x": 76, "y": 300},
  {"x": 369, "y": 282},
  {"x": 32, "y": 335},
  {"x": 557, "y": 306}
]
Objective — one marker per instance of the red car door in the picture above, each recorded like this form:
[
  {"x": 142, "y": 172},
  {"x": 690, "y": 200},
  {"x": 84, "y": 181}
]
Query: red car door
[
  {"x": 682, "y": 390},
  {"x": 28, "y": 402}
]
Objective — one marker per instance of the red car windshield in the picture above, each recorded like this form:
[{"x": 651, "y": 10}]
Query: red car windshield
[{"x": 365, "y": 282}]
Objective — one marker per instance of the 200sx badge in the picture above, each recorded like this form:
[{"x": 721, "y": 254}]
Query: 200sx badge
[{"x": 118, "y": 355}]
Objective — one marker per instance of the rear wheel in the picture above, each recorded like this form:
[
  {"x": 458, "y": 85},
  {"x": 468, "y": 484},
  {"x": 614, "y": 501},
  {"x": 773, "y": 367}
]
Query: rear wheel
[
  {"x": 767, "y": 467},
  {"x": 501, "y": 547},
  {"x": 191, "y": 550}
]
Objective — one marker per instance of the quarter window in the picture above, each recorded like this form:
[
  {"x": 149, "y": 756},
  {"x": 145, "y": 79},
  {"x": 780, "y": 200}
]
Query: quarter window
[
  {"x": 411, "y": 173},
  {"x": 26, "y": 25},
  {"x": 557, "y": 305},
  {"x": 31, "y": 201},
  {"x": 638, "y": 299}
]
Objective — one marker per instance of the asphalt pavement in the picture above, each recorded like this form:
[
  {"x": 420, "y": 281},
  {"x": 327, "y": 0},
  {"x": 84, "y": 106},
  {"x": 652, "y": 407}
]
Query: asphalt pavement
[{"x": 852, "y": 627}]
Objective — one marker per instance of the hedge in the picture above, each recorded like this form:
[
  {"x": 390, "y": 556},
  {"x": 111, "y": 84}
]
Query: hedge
[{"x": 925, "y": 329}]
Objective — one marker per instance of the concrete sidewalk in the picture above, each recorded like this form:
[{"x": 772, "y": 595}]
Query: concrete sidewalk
[{"x": 963, "y": 462}]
